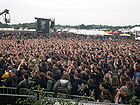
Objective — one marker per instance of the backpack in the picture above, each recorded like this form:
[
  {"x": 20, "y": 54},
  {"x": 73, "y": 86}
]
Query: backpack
[
  {"x": 63, "y": 88},
  {"x": 50, "y": 84}
]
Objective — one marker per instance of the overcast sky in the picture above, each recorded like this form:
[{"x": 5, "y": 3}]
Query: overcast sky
[{"x": 74, "y": 12}]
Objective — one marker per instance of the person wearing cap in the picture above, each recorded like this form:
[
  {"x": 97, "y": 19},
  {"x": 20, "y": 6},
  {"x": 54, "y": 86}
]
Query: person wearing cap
[{"x": 11, "y": 81}]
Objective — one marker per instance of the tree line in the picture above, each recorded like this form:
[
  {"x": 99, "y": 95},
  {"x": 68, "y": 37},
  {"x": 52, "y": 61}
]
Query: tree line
[{"x": 81, "y": 26}]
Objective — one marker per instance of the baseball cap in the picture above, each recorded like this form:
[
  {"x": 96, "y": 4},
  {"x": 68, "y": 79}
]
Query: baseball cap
[{"x": 13, "y": 71}]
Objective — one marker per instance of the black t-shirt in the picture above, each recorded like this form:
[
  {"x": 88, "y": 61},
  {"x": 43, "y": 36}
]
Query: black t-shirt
[
  {"x": 11, "y": 81},
  {"x": 76, "y": 87},
  {"x": 137, "y": 91},
  {"x": 124, "y": 99}
]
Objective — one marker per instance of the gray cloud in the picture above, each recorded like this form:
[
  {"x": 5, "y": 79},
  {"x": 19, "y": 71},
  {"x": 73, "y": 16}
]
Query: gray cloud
[{"x": 111, "y": 12}]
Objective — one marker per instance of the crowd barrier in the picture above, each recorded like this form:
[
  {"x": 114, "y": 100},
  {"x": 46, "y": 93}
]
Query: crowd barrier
[{"x": 10, "y": 95}]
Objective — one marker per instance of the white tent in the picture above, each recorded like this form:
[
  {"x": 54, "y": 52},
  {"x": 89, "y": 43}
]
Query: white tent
[
  {"x": 87, "y": 32},
  {"x": 135, "y": 29}
]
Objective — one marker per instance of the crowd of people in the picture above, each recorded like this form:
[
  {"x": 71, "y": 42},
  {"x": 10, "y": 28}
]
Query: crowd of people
[{"x": 106, "y": 69}]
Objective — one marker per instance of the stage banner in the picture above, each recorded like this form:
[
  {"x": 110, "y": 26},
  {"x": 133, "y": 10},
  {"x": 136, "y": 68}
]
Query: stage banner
[{"x": 43, "y": 25}]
